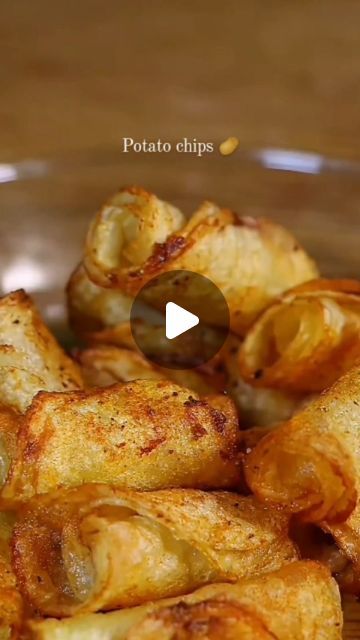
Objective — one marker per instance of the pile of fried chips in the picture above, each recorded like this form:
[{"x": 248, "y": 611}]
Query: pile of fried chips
[{"x": 219, "y": 503}]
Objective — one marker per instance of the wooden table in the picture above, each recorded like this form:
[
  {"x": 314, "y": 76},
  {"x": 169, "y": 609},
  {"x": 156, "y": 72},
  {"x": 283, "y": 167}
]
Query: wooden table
[{"x": 84, "y": 74}]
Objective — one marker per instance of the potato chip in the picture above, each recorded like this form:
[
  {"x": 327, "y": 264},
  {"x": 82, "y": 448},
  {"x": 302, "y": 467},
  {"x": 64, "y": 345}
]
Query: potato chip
[
  {"x": 299, "y": 601},
  {"x": 111, "y": 548}
]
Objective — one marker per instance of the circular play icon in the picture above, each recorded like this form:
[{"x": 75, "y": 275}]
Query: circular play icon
[{"x": 180, "y": 320}]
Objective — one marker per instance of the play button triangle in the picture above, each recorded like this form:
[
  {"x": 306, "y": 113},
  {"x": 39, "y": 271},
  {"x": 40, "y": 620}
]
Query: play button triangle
[
  {"x": 173, "y": 303},
  {"x": 178, "y": 320}
]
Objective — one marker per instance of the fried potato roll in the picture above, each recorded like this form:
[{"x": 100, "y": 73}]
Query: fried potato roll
[
  {"x": 9, "y": 428},
  {"x": 306, "y": 340},
  {"x": 311, "y": 464},
  {"x": 92, "y": 308},
  {"x": 120, "y": 335},
  {"x": 188, "y": 348},
  {"x": 136, "y": 237},
  {"x": 257, "y": 407},
  {"x": 344, "y": 553},
  {"x": 145, "y": 434},
  {"x": 334, "y": 545},
  {"x": 30, "y": 357},
  {"x": 98, "y": 548},
  {"x": 251, "y": 437},
  {"x": 299, "y": 601},
  {"x": 261, "y": 407},
  {"x": 102, "y": 365}
]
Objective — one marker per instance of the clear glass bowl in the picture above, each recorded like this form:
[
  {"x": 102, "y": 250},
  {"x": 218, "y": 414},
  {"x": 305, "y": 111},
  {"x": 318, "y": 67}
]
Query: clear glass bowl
[{"x": 46, "y": 205}]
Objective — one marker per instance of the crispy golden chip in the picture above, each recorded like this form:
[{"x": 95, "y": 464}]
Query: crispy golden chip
[
  {"x": 299, "y": 602},
  {"x": 346, "y": 551},
  {"x": 30, "y": 357},
  {"x": 120, "y": 335},
  {"x": 153, "y": 338},
  {"x": 91, "y": 308},
  {"x": 212, "y": 619},
  {"x": 9, "y": 428},
  {"x": 257, "y": 407},
  {"x": 336, "y": 546},
  {"x": 262, "y": 407},
  {"x": 98, "y": 548},
  {"x": 145, "y": 222},
  {"x": 251, "y": 261},
  {"x": 311, "y": 464},
  {"x": 307, "y": 340},
  {"x": 103, "y": 365},
  {"x": 251, "y": 437},
  {"x": 142, "y": 435}
]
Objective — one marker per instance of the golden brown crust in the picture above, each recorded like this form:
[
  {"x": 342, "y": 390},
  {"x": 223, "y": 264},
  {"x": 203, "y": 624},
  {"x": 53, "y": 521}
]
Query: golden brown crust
[
  {"x": 258, "y": 407},
  {"x": 251, "y": 437},
  {"x": 96, "y": 547},
  {"x": 306, "y": 340},
  {"x": 300, "y": 601},
  {"x": 215, "y": 242},
  {"x": 102, "y": 365},
  {"x": 311, "y": 464},
  {"x": 30, "y": 357},
  {"x": 212, "y": 619},
  {"x": 92, "y": 308},
  {"x": 145, "y": 434},
  {"x": 9, "y": 428},
  {"x": 346, "y": 538},
  {"x": 114, "y": 355}
]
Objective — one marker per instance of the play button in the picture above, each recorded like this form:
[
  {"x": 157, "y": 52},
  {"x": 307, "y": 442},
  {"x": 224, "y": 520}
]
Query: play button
[{"x": 179, "y": 320}]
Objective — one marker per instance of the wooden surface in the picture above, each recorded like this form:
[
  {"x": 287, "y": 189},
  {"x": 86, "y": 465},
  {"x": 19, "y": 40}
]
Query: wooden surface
[
  {"x": 352, "y": 619},
  {"x": 80, "y": 75},
  {"x": 273, "y": 72}
]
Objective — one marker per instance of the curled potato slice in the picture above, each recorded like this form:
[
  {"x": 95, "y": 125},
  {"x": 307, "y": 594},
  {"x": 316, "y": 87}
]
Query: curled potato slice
[
  {"x": 91, "y": 308},
  {"x": 30, "y": 357},
  {"x": 120, "y": 335},
  {"x": 257, "y": 407},
  {"x": 306, "y": 340},
  {"x": 251, "y": 437},
  {"x": 101, "y": 316},
  {"x": 102, "y": 365},
  {"x": 311, "y": 464},
  {"x": 145, "y": 434},
  {"x": 251, "y": 261},
  {"x": 130, "y": 224},
  {"x": 346, "y": 551},
  {"x": 187, "y": 349},
  {"x": 98, "y": 548},
  {"x": 9, "y": 429},
  {"x": 299, "y": 601},
  {"x": 334, "y": 545}
]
